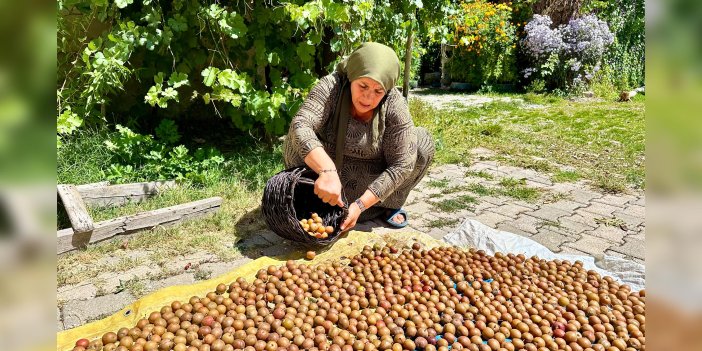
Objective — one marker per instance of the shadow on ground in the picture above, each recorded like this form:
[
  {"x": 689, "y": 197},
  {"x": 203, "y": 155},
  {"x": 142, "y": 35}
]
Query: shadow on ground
[{"x": 257, "y": 240}]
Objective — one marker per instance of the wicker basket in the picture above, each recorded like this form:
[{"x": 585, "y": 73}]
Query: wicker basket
[{"x": 289, "y": 197}]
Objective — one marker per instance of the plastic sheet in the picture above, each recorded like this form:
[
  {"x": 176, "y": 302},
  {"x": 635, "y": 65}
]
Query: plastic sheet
[{"x": 472, "y": 233}]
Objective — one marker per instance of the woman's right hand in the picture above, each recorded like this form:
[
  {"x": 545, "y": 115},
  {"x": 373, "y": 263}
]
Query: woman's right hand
[{"x": 328, "y": 188}]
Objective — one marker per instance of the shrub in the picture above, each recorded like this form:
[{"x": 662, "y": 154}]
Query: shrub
[
  {"x": 484, "y": 40},
  {"x": 566, "y": 57},
  {"x": 137, "y": 157}
]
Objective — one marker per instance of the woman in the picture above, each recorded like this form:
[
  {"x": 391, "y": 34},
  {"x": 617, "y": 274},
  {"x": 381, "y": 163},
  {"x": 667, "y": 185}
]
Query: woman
[{"x": 358, "y": 116}]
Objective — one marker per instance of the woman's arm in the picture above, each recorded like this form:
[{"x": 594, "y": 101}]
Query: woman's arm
[{"x": 312, "y": 115}]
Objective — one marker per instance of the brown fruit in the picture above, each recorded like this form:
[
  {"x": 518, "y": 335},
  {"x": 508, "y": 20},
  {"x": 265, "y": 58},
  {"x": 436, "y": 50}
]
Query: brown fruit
[{"x": 310, "y": 255}]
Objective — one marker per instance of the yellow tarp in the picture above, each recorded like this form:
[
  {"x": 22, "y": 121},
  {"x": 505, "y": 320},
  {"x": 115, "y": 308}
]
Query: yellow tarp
[{"x": 344, "y": 248}]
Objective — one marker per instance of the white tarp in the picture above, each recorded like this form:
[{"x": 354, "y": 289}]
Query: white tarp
[{"x": 472, "y": 233}]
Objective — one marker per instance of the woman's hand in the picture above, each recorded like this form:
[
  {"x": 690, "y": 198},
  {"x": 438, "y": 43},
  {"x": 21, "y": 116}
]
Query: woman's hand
[
  {"x": 351, "y": 219},
  {"x": 328, "y": 188}
]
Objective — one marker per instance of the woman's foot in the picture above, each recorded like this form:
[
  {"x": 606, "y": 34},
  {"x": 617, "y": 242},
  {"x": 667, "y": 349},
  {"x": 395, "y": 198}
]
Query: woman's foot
[{"x": 396, "y": 218}]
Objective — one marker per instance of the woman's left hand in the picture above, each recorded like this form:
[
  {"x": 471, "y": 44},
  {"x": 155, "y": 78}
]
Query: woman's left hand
[{"x": 352, "y": 218}]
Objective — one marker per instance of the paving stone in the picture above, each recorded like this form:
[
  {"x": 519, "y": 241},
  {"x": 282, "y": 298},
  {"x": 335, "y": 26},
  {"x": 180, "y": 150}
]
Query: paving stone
[
  {"x": 635, "y": 211},
  {"x": 482, "y": 206},
  {"x": 538, "y": 185},
  {"x": 461, "y": 215},
  {"x": 270, "y": 236},
  {"x": 632, "y": 247},
  {"x": 180, "y": 279},
  {"x": 482, "y": 153},
  {"x": 523, "y": 203},
  {"x": 591, "y": 245},
  {"x": 565, "y": 205},
  {"x": 549, "y": 213},
  {"x": 585, "y": 217},
  {"x": 511, "y": 228},
  {"x": 420, "y": 207},
  {"x": 511, "y": 171},
  {"x": 112, "y": 280},
  {"x": 564, "y": 187},
  {"x": 615, "y": 200},
  {"x": 76, "y": 292},
  {"x": 498, "y": 201},
  {"x": 565, "y": 249},
  {"x": 551, "y": 239},
  {"x": 179, "y": 263},
  {"x": 641, "y": 201},
  {"x": 491, "y": 219},
  {"x": 601, "y": 209},
  {"x": 280, "y": 250},
  {"x": 59, "y": 322},
  {"x": 413, "y": 197},
  {"x": 610, "y": 233},
  {"x": 637, "y": 236},
  {"x": 219, "y": 268},
  {"x": 526, "y": 223},
  {"x": 78, "y": 312},
  {"x": 510, "y": 210},
  {"x": 254, "y": 241},
  {"x": 584, "y": 196},
  {"x": 631, "y": 221},
  {"x": 574, "y": 227},
  {"x": 535, "y": 177}
]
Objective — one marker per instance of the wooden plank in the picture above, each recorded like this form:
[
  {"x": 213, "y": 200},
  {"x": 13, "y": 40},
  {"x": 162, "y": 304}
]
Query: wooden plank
[
  {"x": 83, "y": 187},
  {"x": 169, "y": 216},
  {"x": 164, "y": 215},
  {"x": 120, "y": 194},
  {"x": 81, "y": 222}
]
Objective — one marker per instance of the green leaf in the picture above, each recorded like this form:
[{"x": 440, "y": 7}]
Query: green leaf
[
  {"x": 123, "y": 3},
  {"x": 336, "y": 13},
  {"x": 167, "y": 131},
  {"x": 152, "y": 95},
  {"x": 170, "y": 94},
  {"x": 273, "y": 58},
  {"x": 209, "y": 74},
  {"x": 233, "y": 25},
  {"x": 158, "y": 79},
  {"x": 178, "y": 23},
  {"x": 305, "y": 51},
  {"x": 178, "y": 79}
]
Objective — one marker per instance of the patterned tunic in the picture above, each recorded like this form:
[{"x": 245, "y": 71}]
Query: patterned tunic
[{"x": 382, "y": 162}]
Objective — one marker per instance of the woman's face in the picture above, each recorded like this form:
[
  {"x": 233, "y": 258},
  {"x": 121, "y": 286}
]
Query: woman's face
[{"x": 366, "y": 94}]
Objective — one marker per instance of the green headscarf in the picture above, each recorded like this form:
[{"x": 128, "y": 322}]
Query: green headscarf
[{"x": 372, "y": 60}]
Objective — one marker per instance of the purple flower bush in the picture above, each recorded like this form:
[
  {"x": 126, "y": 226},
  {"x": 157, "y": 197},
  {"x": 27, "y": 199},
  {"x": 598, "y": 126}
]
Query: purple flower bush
[{"x": 566, "y": 57}]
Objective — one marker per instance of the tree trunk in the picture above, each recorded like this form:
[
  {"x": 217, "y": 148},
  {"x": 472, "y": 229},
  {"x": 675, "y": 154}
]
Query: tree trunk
[
  {"x": 444, "y": 80},
  {"x": 408, "y": 61},
  {"x": 560, "y": 11}
]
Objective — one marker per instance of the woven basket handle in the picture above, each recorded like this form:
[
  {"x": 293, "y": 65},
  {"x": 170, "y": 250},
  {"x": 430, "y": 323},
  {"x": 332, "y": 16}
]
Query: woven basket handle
[{"x": 306, "y": 181}]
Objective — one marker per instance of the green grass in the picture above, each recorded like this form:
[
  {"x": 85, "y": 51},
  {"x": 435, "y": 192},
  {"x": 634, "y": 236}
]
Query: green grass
[
  {"x": 442, "y": 183},
  {"x": 454, "y": 205},
  {"x": 480, "y": 174},
  {"x": 240, "y": 184},
  {"x": 508, "y": 187},
  {"x": 565, "y": 176},
  {"x": 602, "y": 140},
  {"x": 82, "y": 159}
]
